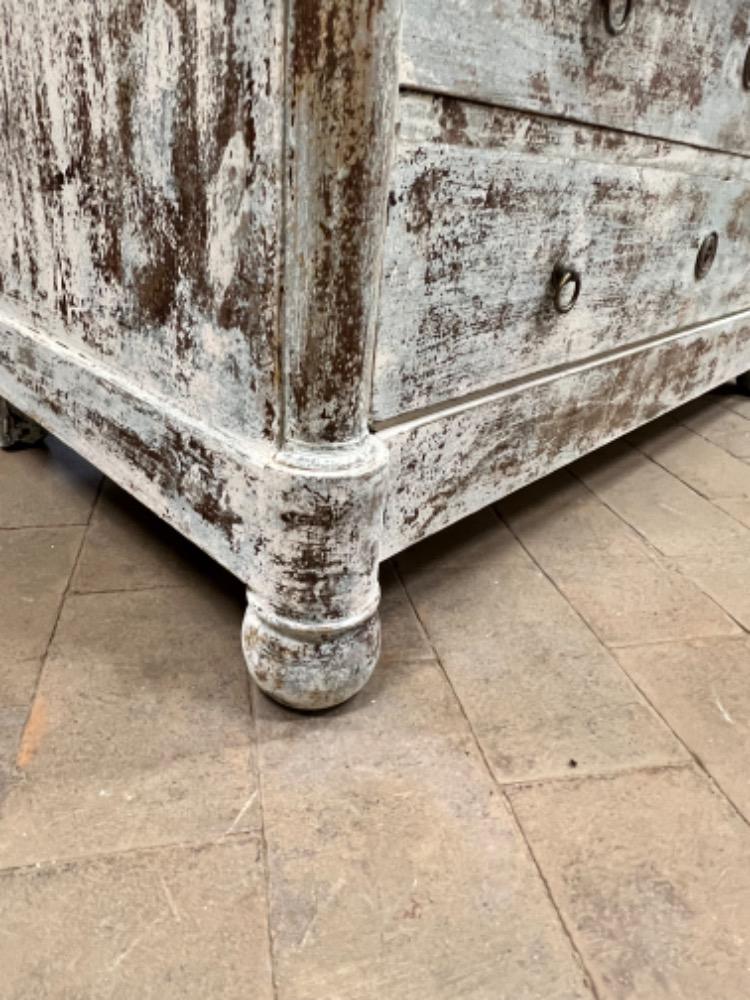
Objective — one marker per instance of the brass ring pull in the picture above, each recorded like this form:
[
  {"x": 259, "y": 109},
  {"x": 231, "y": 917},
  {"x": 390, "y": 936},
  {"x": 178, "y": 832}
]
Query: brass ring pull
[
  {"x": 617, "y": 27},
  {"x": 706, "y": 255},
  {"x": 566, "y": 287}
]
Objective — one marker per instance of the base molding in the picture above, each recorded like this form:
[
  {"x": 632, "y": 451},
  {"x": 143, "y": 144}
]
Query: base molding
[
  {"x": 300, "y": 527},
  {"x": 303, "y": 527},
  {"x": 447, "y": 464},
  {"x": 203, "y": 483}
]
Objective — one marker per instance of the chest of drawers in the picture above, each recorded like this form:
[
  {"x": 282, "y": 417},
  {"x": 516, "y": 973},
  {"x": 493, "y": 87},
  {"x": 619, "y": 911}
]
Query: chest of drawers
[{"x": 313, "y": 280}]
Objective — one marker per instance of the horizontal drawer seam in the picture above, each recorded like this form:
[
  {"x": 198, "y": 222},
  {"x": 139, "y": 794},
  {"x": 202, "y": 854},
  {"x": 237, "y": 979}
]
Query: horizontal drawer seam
[
  {"x": 570, "y": 119},
  {"x": 450, "y": 407}
]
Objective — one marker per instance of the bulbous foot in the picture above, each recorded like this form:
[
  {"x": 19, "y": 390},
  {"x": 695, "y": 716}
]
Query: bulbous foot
[
  {"x": 743, "y": 383},
  {"x": 310, "y": 668},
  {"x": 15, "y": 428}
]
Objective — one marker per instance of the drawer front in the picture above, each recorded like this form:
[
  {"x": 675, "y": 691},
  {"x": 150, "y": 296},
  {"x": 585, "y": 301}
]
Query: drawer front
[
  {"x": 675, "y": 71},
  {"x": 486, "y": 206}
]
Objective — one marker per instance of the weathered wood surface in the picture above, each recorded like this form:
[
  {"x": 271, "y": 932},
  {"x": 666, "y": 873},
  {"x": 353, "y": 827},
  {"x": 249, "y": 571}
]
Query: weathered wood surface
[
  {"x": 324, "y": 527},
  {"x": 140, "y": 143},
  {"x": 341, "y": 95},
  {"x": 204, "y": 483},
  {"x": 485, "y": 203},
  {"x": 192, "y": 205},
  {"x": 675, "y": 71},
  {"x": 446, "y": 465},
  {"x": 193, "y": 199},
  {"x": 232, "y": 497}
]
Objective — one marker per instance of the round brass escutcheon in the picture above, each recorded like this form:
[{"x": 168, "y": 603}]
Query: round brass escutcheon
[
  {"x": 616, "y": 25},
  {"x": 746, "y": 71},
  {"x": 706, "y": 255},
  {"x": 566, "y": 284}
]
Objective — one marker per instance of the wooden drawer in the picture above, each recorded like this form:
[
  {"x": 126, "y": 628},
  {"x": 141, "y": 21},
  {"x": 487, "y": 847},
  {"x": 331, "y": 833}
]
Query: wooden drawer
[
  {"x": 485, "y": 204},
  {"x": 676, "y": 70}
]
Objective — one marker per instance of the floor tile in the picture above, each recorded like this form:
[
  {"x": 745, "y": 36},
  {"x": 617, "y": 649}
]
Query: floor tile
[
  {"x": 129, "y": 548},
  {"x": 669, "y": 514},
  {"x": 36, "y": 564},
  {"x": 699, "y": 463},
  {"x": 543, "y": 695},
  {"x": 18, "y": 680},
  {"x": 738, "y": 508},
  {"x": 182, "y": 924},
  {"x": 610, "y": 575},
  {"x": 651, "y": 872},
  {"x": 12, "y": 719},
  {"x": 198, "y": 799},
  {"x": 723, "y": 575},
  {"x": 739, "y": 402},
  {"x": 722, "y": 426},
  {"x": 395, "y": 868},
  {"x": 702, "y": 688},
  {"x": 403, "y": 638},
  {"x": 135, "y": 677},
  {"x": 140, "y": 731},
  {"x": 45, "y": 485}
]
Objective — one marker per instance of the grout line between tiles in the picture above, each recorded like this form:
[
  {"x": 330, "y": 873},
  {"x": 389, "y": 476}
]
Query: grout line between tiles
[
  {"x": 131, "y": 590},
  {"x": 740, "y": 458},
  {"x": 711, "y": 779},
  {"x": 252, "y": 694},
  {"x": 661, "y": 558},
  {"x": 611, "y": 775},
  {"x": 727, "y": 400},
  {"x": 60, "y": 606},
  {"x": 61, "y": 864},
  {"x": 714, "y": 501},
  {"x": 675, "y": 475},
  {"x": 735, "y": 411},
  {"x": 675, "y": 640},
  {"x": 44, "y": 527},
  {"x": 589, "y": 979}
]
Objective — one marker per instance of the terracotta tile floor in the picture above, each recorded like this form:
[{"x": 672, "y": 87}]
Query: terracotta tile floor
[{"x": 543, "y": 794}]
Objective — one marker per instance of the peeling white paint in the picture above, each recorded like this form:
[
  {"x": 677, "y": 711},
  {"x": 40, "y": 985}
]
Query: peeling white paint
[
  {"x": 159, "y": 55},
  {"x": 229, "y": 207}
]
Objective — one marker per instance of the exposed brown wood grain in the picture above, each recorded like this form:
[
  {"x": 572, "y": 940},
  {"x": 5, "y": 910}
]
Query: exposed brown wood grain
[
  {"x": 342, "y": 89},
  {"x": 198, "y": 212}
]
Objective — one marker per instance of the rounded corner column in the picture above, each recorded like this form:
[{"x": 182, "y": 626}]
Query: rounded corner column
[{"x": 311, "y": 633}]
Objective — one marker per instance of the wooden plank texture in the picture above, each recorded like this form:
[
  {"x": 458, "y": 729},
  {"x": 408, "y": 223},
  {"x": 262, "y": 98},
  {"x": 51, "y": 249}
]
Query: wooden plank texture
[
  {"x": 341, "y": 95},
  {"x": 675, "y": 71},
  {"x": 486, "y": 203},
  {"x": 140, "y": 188},
  {"x": 446, "y": 465}
]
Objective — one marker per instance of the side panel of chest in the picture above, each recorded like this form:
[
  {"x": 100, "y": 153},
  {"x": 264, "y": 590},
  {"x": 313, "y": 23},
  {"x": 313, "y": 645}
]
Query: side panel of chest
[{"x": 140, "y": 179}]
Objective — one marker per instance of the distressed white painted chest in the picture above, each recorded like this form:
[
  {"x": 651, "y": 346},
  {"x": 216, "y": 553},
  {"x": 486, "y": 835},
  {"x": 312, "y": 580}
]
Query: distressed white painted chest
[{"x": 315, "y": 278}]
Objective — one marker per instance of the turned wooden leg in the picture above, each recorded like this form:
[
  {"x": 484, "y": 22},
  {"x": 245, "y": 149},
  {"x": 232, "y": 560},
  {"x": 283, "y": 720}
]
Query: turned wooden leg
[
  {"x": 309, "y": 668},
  {"x": 15, "y": 428},
  {"x": 743, "y": 383},
  {"x": 311, "y": 635}
]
